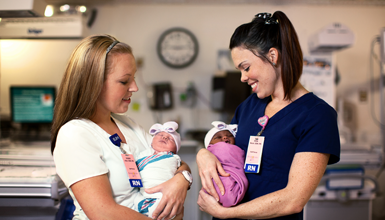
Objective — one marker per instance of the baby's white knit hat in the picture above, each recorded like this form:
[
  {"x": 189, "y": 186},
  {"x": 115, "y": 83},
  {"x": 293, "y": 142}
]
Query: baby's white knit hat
[
  {"x": 219, "y": 126},
  {"x": 169, "y": 127}
]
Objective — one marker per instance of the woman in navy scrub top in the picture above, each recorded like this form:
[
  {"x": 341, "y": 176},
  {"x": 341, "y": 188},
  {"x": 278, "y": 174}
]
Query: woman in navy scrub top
[{"x": 301, "y": 136}]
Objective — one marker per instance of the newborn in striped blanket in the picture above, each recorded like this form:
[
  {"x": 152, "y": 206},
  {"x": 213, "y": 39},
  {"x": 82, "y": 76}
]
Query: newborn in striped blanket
[{"x": 157, "y": 164}]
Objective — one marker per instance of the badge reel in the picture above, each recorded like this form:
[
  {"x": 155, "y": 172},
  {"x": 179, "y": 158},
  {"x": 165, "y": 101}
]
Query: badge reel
[
  {"x": 129, "y": 163},
  {"x": 255, "y": 147}
]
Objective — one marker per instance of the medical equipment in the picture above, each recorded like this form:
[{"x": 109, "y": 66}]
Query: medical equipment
[
  {"x": 160, "y": 96},
  {"x": 223, "y": 98},
  {"x": 333, "y": 37},
  {"x": 381, "y": 87},
  {"x": 345, "y": 191},
  {"x": 29, "y": 185},
  {"x": 352, "y": 204},
  {"x": 382, "y": 49},
  {"x": 28, "y": 8}
]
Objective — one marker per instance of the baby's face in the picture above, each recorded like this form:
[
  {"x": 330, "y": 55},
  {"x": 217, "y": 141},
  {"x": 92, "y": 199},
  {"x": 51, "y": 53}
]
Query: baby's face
[
  {"x": 223, "y": 136},
  {"x": 163, "y": 141}
]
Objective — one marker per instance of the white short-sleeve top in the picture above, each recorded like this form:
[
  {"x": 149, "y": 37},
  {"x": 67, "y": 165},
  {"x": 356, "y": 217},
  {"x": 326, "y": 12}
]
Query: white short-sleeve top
[{"x": 84, "y": 150}]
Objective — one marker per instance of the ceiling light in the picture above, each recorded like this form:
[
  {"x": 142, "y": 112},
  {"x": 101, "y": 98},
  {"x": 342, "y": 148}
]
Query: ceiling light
[
  {"x": 65, "y": 7},
  {"x": 82, "y": 9},
  {"x": 48, "y": 11}
]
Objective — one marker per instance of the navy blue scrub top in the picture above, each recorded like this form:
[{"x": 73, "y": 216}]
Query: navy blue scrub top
[{"x": 308, "y": 124}]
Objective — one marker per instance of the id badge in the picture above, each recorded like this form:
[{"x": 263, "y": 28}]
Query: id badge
[
  {"x": 254, "y": 154},
  {"x": 132, "y": 170}
]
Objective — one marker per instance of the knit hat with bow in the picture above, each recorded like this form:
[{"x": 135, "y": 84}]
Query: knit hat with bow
[
  {"x": 169, "y": 127},
  {"x": 219, "y": 126}
]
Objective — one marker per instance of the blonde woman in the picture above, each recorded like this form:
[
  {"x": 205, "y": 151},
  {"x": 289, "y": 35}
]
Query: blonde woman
[{"x": 97, "y": 86}]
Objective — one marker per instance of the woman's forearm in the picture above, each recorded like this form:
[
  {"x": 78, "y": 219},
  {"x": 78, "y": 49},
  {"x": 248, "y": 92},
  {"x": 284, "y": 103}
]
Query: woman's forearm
[
  {"x": 305, "y": 174},
  {"x": 183, "y": 166},
  {"x": 95, "y": 197},
  {"x": 279, "y": 203}
]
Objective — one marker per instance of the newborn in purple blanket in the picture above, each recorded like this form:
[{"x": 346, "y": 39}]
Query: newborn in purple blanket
[{"x": 220, "y": 141}]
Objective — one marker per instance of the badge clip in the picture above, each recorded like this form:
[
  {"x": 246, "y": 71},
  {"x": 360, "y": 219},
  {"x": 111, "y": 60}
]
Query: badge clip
[
  {"x": 115, "y": 139},
  {"x": 263, "y": 122}
]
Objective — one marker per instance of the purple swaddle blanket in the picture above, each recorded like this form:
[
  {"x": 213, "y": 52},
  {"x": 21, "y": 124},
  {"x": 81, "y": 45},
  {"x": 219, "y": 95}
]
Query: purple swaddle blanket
[{"x": 232, "y": 159}]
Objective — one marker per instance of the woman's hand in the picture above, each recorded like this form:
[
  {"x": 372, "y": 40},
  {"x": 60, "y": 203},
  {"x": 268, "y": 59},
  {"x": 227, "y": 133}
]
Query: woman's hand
[
  {"x": 209, "y": 205},
  {"x": 174, "y": 194},
  {"x": 209, "y": 167}
]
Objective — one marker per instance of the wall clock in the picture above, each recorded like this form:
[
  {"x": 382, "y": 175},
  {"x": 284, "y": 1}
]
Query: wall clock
[{"x": 177, "y": 47}]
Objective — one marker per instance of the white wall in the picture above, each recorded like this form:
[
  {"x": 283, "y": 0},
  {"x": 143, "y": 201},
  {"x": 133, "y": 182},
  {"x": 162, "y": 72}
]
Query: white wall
[
  {"x": 140, "y": 25},
  {"x": 32, "y": 62},
  {"x": 43, "y": 61}
]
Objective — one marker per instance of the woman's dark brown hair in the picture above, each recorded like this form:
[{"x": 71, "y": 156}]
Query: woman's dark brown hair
[{"x": 265, "y": 32}]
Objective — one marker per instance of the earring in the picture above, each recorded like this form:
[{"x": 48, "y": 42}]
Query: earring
[{"x": 273, "y": 63}]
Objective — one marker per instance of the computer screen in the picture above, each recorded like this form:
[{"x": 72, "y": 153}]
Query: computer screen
[{"x": 32, "y": 104}]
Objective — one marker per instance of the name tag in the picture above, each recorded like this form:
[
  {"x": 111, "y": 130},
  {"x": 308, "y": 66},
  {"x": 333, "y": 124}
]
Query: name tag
[
  {"x": 132, "y": 170},
  {"x": 254, "y": 154}
]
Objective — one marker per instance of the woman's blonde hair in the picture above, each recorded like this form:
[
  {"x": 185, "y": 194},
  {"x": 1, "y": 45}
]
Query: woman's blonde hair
[{"x": 83, "y": 79}]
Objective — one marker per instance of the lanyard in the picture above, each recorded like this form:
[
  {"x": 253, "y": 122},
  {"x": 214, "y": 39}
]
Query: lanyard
[
  {"x": 115, "y": 139},
  {"x": 129, "y": 163},
  {"x": 263, "y": 122}
]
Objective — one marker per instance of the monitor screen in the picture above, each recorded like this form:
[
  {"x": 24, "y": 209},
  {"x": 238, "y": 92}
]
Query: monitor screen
[{"x": 32, "y": 104}]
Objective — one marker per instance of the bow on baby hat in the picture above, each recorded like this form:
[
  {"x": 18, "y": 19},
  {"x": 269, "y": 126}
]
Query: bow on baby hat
[
  {"x": 220, "y": 126},
  {"x": 169, "y": 127}
]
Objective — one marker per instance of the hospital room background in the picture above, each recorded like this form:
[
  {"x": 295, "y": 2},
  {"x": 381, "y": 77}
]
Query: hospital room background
[{"x": 348, "y": 75}]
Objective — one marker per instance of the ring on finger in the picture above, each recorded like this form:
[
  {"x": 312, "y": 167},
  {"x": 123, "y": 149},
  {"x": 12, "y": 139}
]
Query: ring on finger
[{"x": 173, "y": 217}]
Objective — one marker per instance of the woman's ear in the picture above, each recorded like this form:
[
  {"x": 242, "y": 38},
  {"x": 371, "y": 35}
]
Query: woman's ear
[{"x": 273, "y": 55}]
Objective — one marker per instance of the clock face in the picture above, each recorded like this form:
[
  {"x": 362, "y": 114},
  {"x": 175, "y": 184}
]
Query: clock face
[{"x": 177, "y": 47}]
